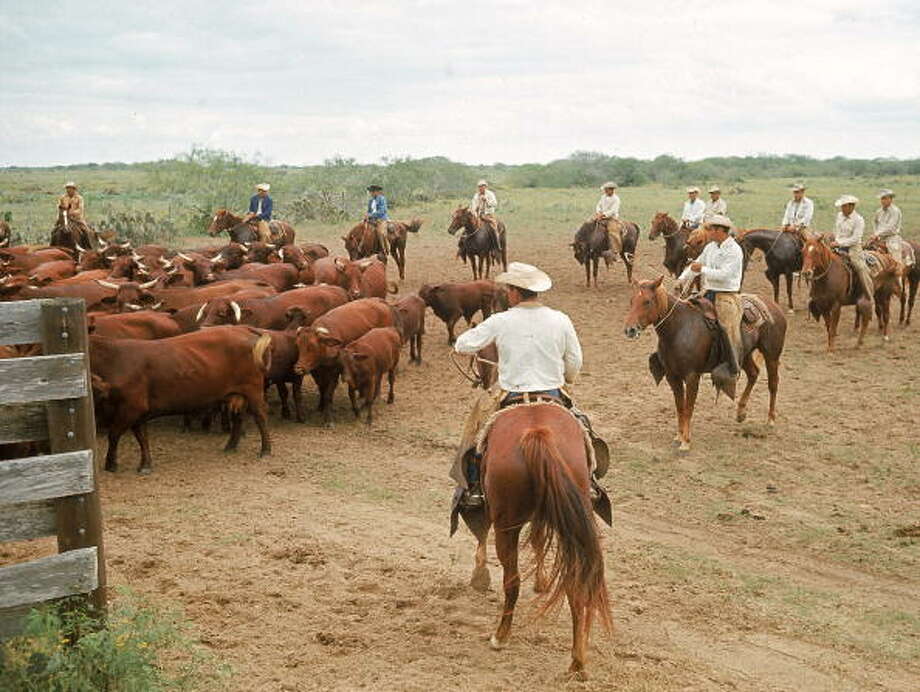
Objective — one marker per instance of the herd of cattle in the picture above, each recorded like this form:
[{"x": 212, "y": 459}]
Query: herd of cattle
[{"x": 206, "y": 332}]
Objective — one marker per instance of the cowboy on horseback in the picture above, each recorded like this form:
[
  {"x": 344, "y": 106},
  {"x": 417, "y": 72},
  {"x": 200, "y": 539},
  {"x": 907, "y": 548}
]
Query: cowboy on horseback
[
  {"x": 848, "y": 233},
  {"x": 888, "y": 225},
  {"x": 607, "y": 215},
  {"x": 694, "y": 208},
  {"x": 720, "y": 265},
  {"x": 716, "y": 206},
  {"x": 483, "y": 205},
  {"x": 799, "y": 212},
  {"x": 377, "y": 217},
  {"x": 260, "y": 212},
  {"x": 538, "y": 354}
]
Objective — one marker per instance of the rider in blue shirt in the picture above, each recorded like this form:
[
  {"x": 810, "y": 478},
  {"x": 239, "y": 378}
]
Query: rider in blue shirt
[{"x": 377, "y": 215}]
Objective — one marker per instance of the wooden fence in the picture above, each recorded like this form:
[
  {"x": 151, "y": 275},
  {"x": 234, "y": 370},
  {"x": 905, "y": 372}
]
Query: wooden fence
[{"x": 49, "y": 399}]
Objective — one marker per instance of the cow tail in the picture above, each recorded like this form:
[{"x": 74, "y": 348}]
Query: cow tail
[{"x": 262, "y": 353}]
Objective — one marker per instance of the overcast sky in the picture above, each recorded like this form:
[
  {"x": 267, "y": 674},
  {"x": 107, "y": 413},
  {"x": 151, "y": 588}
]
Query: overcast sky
[{"x": 479, "y": 82}]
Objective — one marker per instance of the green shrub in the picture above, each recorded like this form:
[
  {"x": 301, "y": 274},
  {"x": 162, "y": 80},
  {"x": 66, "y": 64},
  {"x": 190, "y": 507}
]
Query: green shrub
[
  {"x": 138, "y": 227},
  {"x": 137, "y": 648}
]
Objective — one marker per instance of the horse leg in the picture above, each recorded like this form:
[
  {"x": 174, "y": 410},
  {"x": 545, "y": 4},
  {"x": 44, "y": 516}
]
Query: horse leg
[
  {"x": 774, "y": 281},
  {"x": 789, "y": 291},
  {"x": 506, "y": 545},
  {"x": 865, "y": 317},
  {"x": 751, "y": 371},
  {"x": 629, "y": 269},
  {"x": 693, "y": 385},
  {"x": 677, "y": 388},
  {"x": 588, "y": 272},
  {"x": 581, "y": 625},
  {"x": 904, "y": 289},
  {"x": 481, "y": 580},
  {"x": 831, "y": 320},
  {"x": 910, "y": 302},
  {"x": 773, "y": 383}
]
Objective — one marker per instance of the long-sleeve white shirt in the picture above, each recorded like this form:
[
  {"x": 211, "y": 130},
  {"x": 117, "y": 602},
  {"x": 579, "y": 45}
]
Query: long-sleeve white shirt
[
  {"x": 722, "y": 266},
  {"x": 484, "y": 204},
  {"x": 714, "y": 208},
  {"x": 888, "y": 222},
  {"x": 799, "y": 213},
  {"x": 693, "y": 211},
  {"x": 848, "y": 231},
  {"x": 609, "y": 206},
  {"x": 538, "y": 348}
]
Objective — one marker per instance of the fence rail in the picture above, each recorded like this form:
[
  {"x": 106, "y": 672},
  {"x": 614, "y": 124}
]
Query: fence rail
[{"x": 48, "y": 399}]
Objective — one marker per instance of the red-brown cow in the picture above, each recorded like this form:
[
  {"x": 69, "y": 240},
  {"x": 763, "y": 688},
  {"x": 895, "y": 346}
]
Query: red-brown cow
[
  {"x": 338, "y": 271},
  {"x": 146, "y": 324},
  {"x": 175, "y": 298},
  {"x": 97, "y": 298},
  {"x": 451, "y": 301},
  {"x": 266, "y": 253},
  {"x": 231, "y": 256},
  {"x": 364, "y": 361},
  {"x": 319, "y": 344},
  {"x": 374, "y": 282},
  {"x": 27, "y": 261},
  {"x": 281, "y": 371},
  {"x": 282, "y": 276},
  {"x": 48, "y": 272},
  {"x": 411, "y": 311},
  {"x": 272, "y": 312},
  {"x": 135, "y": 381}
]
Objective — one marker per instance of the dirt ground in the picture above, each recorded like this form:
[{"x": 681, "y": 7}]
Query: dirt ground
[{"x": 766, "y": 559}]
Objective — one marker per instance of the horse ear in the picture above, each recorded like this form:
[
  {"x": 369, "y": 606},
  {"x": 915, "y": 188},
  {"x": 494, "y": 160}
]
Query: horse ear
[{"x": 657, "y": 282}]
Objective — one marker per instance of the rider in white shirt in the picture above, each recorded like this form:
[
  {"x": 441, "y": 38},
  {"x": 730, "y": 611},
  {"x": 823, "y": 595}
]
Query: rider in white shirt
[
  {"x": 716, "y": 206},
  {"x": 798, "y": 213},
  {"x": 848, "y": 234},
  {"x": 607, "y": 212},
  {"x": 694, "y": 207},
  {"x": 888, "y": 225}
]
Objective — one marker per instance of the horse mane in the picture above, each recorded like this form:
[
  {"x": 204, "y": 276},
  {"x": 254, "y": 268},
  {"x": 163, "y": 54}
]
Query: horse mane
[{"x": 661, "y": 296}]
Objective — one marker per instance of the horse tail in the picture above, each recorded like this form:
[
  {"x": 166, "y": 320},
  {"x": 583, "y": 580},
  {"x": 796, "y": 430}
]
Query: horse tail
[{"x": 563, "y": 526}]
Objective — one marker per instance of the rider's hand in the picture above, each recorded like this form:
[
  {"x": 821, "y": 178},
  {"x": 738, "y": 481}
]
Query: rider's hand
[{"x": 696, "y": 267}]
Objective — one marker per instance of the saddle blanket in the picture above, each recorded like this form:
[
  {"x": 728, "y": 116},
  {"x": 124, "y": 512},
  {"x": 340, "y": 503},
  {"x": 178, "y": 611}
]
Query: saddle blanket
[{"x": 754, "y": 311}]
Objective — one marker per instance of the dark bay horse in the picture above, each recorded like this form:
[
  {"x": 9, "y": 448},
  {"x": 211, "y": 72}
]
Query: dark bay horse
[
  {"x": 675, "y": 241},
  {"x": 478, "y": 243},
  {"x": 535, "y": 469},
  {"x": 684, "y": 345},
  {"x": 592, "y": 242},
  {"x": 782, "y": 252},
  {"x": 834, "y": 285},
  {"x": 242, "y": 232},
  {"x": 362, "y": 241}
]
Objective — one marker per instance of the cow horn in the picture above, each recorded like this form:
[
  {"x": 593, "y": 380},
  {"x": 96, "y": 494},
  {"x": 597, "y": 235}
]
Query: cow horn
[
  {"x": 134, "y": 306},
  {"x": 339, "y": 264},
  {"x": 173, "y": 271},
  {"x": 322, "y": 330},
  {"x": 245, "y": 245},
  {"x": 365, "y": 263},
  {"x": 236, "y": 311},
  {"x": 218, "y": 260},
  {"x": 149, "y": 284},
  {"x": 184, "y": 257},
  {"x": 200, "y": 312},
  {"x": 156, "y": 306},
  {"x": 80, "y": 249},
  {"x": 163, "y": 262},
  {"x": 107, "y": 284},
  {"x": 136, "y": 257},
  {"x": 126, "y": 244}
]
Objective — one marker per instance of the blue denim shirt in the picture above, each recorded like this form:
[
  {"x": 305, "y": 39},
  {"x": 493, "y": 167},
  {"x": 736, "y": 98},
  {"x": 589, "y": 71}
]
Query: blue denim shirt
[
  {"x": 377, "y": 208},
  {"x": 266, "y": 214}
]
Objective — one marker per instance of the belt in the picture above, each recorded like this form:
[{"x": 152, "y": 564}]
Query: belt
[{"x": 527, "y": 397}]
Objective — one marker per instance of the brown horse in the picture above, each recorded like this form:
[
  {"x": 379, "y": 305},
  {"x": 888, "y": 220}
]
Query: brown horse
[
  {"x": 834, "y": 285},
  {"x": 535, "y": 469},
  {"x": 478, "y": 243},
  {"x": 362, "y": 241},
  {"x": 592, "y": 242},
  {"x": 69, "y": 233},
  {"x": 243, "y": 232},
  {"x": 685, "y": 344},
  {"x": 910, "y": 279},
  {"x": 5, "y": 234},
  {"x": 676, "y": 255}
]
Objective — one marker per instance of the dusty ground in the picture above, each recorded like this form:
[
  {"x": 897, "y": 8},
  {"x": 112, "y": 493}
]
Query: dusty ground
[{"x": 783, "y": 559}]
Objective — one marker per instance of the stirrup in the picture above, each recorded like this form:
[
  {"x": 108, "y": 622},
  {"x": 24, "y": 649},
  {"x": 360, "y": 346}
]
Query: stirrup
[{"x": 473, "y": 498}]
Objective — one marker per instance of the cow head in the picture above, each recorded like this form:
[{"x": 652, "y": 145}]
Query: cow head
[
  {"x": 429, "y": 293},
  {"x": 10, "y": 285},
  {"x": 132, "y": 296},
  {"x": 266, "y": 253},
  {"x": 232, "y": 256},
  {"x": 293, "y": 254},
  {"x": 315, "y": 346},
  {"x": 198, "y": 265},
  {"x": 221, "y": 311},
  {"x": 349, "y": 277},
  {"x": 356, "y": 366},
  {"x": 297, "y": 317}
]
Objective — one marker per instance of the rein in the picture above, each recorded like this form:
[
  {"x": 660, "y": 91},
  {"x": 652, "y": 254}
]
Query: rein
[
  {"x": 677, "y": 301},
  {"x": 468, "y": 371}
]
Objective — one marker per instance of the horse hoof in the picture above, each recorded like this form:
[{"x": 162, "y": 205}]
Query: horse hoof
[
  {"x": 495, "y": 644},
  {"x": 677, "y": 441},
  {"x": 577, "y": 673},
  {"x": 684, "y": 448},
  {"x": 481, "y": 580},
  {"x": 886, "y": 339},
  {"x": 742, "y": 416},
  {"x": 144, "y": 471},
  {"x": 771, "y": 422},
  {"x": 791, "y": 311}
]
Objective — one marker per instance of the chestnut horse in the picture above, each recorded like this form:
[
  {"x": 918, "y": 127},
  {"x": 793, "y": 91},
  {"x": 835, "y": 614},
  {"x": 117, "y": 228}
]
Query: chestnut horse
[
  {"x": 535, "y": 469},
  {"x": 592, "y": 242},
  {"x": 684, "y": 345},
  {"x": 910, "y": 278},
  {"x": 478, "y": 243},
  {"x": 676, "y": 256},
  {"x": 243, "y": 232},
  {"x": 833, "y": 285},
  {"x": 362, "y": 241}
]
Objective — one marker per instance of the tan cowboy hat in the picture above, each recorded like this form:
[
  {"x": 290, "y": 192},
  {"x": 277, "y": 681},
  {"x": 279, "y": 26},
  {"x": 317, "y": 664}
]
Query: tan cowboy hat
[
  {"x": 798, "y": 187},
  {"x": 720, "y": 220},
  {"x": 846, "y": 199},
  {"x": 482, "y": 182},
  {"x": 609, "y": 184},
  {"x": 525, "y": 276},
  {"x": 70, "y": 183},
  {"x": 693, "y": 189},
  {"x": 715, "y": 188},
  {"x": 885, "y": 193},
  {"x": 263, "y": 186}
]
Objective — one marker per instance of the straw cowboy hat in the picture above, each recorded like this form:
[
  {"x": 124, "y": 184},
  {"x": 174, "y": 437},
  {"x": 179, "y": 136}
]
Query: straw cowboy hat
[
  {"x": 715, "y": 188},
  {"x": 846, "y": 199},
  {"x": 525, "y": 276},
  {"x": 798, "y": 187},
  {"x": 263, "y": 186},
  {"x": 374, "y": 188},
  {"x": 608, "y": 185},
  {"x": 885, "y": 193},
  {"x": 693, "y": 189},
  {"x": 481, "y": 183},
  {"x": 70, "y": 183},
  {"x": 719, "y": 220}
]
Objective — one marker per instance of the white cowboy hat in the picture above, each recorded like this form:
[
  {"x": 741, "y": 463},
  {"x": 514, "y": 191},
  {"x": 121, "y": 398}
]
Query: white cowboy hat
[
  {"x": 798, "y": 187},
  {"x": 692, "y": 189},
  {"x": 482, "y": 182},
  {"x": 846, "y": 199},
  {"x": 525, "y": 276},
  {"x": 885, "y": 193},
  {"x": 69, "y": 183},
  {"x": 609, "y": 184},
  {"x": 715, "y": 188},
  {"x": 720, "y": 220},
  {"x": 263, "y": 186}
]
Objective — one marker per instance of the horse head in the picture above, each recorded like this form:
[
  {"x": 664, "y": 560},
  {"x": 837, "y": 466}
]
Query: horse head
[
  {"x": 697, "y": 240},
  {"x": 662, "y": 224},
  {"x": 816, "y": 256},
  {"x": 462, "y": 218},
  {"x": 647, "y": 306}
]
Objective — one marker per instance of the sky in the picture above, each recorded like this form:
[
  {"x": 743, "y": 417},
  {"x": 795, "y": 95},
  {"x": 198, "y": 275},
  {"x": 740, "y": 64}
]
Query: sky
[{"x": 480, "y": 82}]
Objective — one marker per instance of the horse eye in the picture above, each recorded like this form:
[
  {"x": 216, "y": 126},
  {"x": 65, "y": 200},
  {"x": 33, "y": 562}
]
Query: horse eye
[{"x": 648, "y": 301}]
